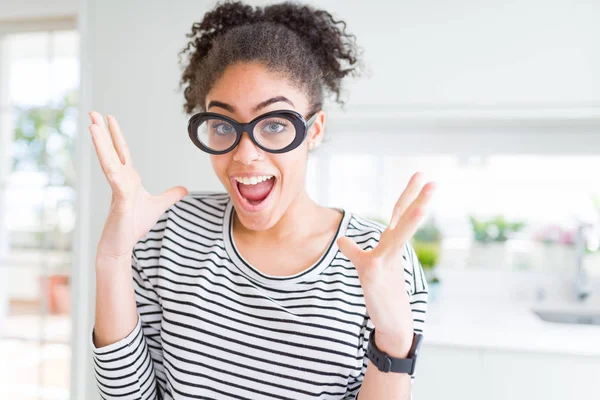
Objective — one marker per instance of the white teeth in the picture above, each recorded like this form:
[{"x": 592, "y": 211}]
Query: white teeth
[{"x": 253, "y": 180}]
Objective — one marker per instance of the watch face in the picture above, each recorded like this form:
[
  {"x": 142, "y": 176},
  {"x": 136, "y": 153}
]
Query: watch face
[{"x": 416, "y": 346}]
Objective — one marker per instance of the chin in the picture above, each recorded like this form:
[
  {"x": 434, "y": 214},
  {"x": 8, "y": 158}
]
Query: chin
[{"x": 254, "y": 223}]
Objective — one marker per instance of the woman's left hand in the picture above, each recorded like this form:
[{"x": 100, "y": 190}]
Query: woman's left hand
[{"x": 381, "y": 270}]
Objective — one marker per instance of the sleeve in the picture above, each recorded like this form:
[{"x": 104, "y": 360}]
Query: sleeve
[
  {"x": 132, "y": 367},
  {"x": 416, "y": 286},
  {"x": 417, "y": 289}
]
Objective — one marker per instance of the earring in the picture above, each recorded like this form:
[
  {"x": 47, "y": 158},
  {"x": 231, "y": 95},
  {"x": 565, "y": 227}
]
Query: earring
[{"x": 310, "y": 145}]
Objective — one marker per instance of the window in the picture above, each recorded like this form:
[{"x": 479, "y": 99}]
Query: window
[
  {"x": 38, "y": 99},
  {"x": 504, "y": 211}
]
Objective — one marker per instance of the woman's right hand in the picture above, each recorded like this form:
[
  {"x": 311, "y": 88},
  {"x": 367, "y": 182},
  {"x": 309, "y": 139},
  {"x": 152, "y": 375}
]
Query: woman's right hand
[{"x": 133, "y": 211}]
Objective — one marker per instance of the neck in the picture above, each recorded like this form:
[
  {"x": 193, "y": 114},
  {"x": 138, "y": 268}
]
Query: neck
[{"x": 295, "y": 222}]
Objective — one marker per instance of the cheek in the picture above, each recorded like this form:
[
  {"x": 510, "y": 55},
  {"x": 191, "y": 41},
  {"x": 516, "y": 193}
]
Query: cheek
[
  {"x": 293, "y": 169},
  {"x": 220, "y": 164}
]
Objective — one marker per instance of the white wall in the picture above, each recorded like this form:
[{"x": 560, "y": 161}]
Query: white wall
[
  {"x": 426, "y": 56},
  {"x": 477, "y": 52}
]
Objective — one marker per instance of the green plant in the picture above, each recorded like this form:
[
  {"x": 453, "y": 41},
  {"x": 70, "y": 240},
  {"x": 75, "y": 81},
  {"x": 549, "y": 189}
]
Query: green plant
[
  {"x": 44, "y": 140},
  {"x": 496, "y": 229},
  {"x": 427, "y": 245},
  {"x": 427, "y": 253},
  {"x": 428, "y": 232},
  {"x": 44, "y": 143}
]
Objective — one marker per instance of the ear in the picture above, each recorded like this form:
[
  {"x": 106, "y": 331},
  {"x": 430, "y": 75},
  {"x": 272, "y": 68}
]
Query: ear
[{"x": 317, "y": 131}]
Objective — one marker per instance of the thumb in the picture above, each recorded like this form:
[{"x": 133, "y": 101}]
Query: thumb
[
  {"x": 172, "y": 196},
  {"x": 350, "y": 249}
]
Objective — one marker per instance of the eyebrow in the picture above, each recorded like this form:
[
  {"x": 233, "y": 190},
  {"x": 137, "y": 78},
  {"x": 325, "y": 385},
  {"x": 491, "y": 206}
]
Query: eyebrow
[{"x": 262, "y": 104}]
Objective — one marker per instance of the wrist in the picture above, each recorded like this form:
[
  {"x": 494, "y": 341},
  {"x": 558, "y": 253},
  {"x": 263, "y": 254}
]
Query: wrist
[{"x": 107, "y": 261}]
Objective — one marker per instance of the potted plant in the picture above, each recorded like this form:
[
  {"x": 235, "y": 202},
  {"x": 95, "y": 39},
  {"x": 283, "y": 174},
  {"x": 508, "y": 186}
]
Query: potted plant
[
  {"x": 427, "y": 245},
  {"x": 489, "y": 237},
  {"x": 555, "y": 247}
]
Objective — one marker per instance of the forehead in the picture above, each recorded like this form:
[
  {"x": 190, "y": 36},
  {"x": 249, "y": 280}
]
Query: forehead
[{"x": 246, "y": 85}]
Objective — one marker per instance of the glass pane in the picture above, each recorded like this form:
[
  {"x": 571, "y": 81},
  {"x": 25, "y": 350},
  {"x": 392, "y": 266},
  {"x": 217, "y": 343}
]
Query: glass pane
[
  {"x": 20, "y": 299},
  {"x": 55, "y": 371},
  {"x": 24, "y": 198},
  {"x": 37, "y": 215},
  {"x": 36, "y": 371},
  {"x": 28, "y": 68}
]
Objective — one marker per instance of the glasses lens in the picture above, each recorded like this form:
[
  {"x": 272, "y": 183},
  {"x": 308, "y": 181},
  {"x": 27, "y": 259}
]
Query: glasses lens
[
  {"x": 275, "y": 133},
  {"x": 216, "y": 134}
]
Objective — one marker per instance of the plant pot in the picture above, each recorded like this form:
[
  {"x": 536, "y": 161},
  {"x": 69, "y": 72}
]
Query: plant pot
[
  {"x": 433, "y": 291},
  {"x": 557, "y": 258},
  {"x": 58, "y": 294}
]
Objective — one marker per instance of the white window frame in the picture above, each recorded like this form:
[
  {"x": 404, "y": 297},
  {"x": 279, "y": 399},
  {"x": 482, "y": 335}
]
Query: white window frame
[{"x": 79, "y": 276}]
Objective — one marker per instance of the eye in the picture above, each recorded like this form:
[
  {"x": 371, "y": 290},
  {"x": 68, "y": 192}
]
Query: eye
[
  {"x": 274, "y": 126},
  {"x": 222, "y": 128}
]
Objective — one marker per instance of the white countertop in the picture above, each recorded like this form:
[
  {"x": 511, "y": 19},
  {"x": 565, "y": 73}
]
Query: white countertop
[{"x": 513, "y": 327}]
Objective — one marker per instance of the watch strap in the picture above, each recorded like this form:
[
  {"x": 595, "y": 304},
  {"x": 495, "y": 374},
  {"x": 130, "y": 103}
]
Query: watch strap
[{"x": 385, "y": 363}]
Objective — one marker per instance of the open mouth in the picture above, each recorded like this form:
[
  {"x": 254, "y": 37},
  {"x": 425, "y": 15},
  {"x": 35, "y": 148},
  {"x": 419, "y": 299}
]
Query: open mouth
[{"x": 254, "y": 192}]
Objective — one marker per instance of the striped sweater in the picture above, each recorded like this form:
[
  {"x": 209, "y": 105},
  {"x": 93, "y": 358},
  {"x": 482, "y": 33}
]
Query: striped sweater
[{"x": 212, "y": 326}]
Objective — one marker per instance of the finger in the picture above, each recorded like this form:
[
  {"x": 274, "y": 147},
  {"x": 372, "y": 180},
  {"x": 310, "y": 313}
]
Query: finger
[
  {"x": 412, "y": 217},
  {"x": 119, "y": 140},
  {"x": 172, "y": 196},
  {"x": 351, "y": 250},
  {"x": 407, "y": 196},
  {"x": 104, "y": 146},
  {"x": 97, "y": 119},
  {"x": 109, "y": 160}
]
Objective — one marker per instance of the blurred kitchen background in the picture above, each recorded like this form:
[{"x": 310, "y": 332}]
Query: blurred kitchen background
[{"x": 497, "y": 101}]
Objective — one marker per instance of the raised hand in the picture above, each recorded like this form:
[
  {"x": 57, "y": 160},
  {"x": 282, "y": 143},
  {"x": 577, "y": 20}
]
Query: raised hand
[
  {"x": 133, "y": 211},
  {"x": 381, "y": 270}
]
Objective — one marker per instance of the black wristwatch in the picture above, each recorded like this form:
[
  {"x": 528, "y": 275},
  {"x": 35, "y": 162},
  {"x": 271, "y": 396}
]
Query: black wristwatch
[{"x": 386, "y": 363}]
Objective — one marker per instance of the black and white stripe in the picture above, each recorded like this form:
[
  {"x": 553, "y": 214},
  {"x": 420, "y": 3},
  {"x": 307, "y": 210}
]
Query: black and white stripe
[{"x": 211, "y": 326}]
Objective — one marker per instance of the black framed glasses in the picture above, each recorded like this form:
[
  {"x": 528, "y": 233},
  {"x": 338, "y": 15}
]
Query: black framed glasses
[{"x": 277, "y": 131}]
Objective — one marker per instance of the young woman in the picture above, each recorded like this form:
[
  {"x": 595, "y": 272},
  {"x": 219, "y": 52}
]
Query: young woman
[{"x": 259, "y": 292}]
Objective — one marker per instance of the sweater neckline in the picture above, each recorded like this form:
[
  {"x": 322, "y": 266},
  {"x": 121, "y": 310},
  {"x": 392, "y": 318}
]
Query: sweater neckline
[{"x": 273, "y": 280}]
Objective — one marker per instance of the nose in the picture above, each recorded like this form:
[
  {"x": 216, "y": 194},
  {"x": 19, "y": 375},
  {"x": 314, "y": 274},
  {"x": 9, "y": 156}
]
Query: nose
[{"x": 246, "y": 151}]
